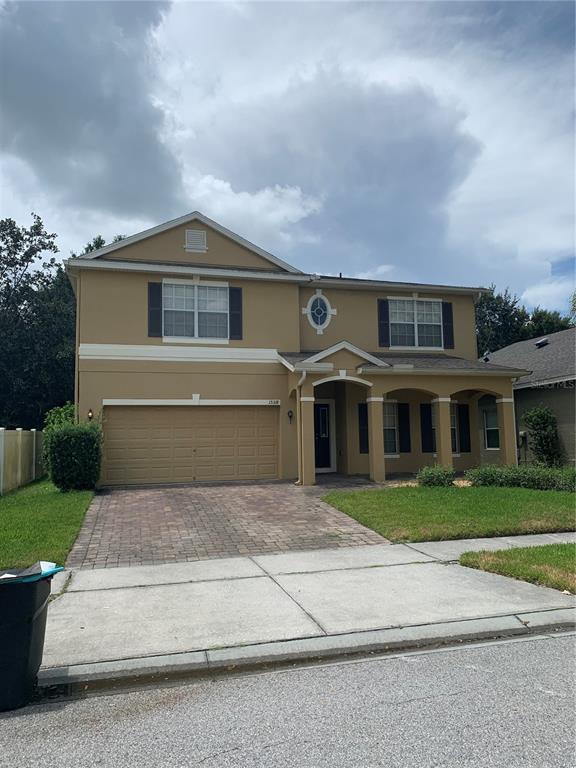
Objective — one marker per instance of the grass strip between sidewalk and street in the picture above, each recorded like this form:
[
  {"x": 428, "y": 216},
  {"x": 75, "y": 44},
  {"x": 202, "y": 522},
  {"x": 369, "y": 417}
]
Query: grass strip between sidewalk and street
[
  {"x": 552, "y": 565},
  {"x": 39, "y": 522},
  {"x": 434, "y": 514}
]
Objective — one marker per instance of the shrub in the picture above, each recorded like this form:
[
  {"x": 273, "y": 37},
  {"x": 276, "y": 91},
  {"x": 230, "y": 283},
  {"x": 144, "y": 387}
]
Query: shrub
[
  {"x": 538, "y": 478},
  {"x": 544, "y": 440},
  {"x": 436, "y": 475},
  {"x": 75, "y": 456},
  {"x": 53, "y": 420}
]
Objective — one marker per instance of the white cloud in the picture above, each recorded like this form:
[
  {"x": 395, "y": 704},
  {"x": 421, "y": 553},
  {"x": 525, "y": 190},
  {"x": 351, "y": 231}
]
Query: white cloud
[
  {"x": 552, "y": 294},
  {"x": 377, "y": 273}
]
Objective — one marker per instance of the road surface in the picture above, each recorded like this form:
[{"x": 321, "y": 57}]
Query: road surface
[{"x": 498, "y": 704}]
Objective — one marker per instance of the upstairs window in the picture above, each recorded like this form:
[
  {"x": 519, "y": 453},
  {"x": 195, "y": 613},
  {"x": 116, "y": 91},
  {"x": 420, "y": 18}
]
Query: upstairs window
[
  {"x": 195, "y": 241},
  {"x": 195, "y": 311},
  {"x": 415, "y": 323}
]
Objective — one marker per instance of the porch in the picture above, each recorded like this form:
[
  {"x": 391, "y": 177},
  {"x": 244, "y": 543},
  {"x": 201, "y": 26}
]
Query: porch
[{"x": 390, "y": 422}]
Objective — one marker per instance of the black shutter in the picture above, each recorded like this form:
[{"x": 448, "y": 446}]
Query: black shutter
[
  {"x": 154, "y": 309},
  {"x": 363, "y": 427},
  {"x": 426, "y": 428},
  {"x": 235, "y": 311},
  {"x": 464, "y": 428},
  {"x": 447, "y": 325},
  {"x": 383, "y": 323},
  {"x": 404, "y": 427}
]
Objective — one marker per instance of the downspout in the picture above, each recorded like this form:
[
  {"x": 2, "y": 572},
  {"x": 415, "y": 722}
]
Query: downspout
[{"x": 300, "y": 441}]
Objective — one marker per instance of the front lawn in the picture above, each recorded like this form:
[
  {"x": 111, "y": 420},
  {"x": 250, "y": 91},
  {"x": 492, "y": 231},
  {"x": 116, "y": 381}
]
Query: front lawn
[
  {"x": 432, "y": 514},
  {"x": 553, "y": 565},
  {"x": 39, "y": 522}
]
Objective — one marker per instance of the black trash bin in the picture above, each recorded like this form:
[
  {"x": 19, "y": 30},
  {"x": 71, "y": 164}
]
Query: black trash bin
[{"x": 23, "y": 609}]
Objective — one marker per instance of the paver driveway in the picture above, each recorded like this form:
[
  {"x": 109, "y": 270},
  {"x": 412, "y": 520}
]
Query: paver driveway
[{"x": 164, "y": 525}]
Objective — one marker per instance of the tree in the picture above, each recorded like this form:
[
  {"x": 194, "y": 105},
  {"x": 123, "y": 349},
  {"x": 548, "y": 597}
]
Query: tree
[
  {"x": 501, "y": 320},
  {"x": 573, "y": 308},
  {"x": 37, "y": 324}
]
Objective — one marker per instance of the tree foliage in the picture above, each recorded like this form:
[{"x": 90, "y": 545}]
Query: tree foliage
[
  {"x": 502, "y": 320},
  {"x": 37, "y": 325},
  {"x": 543, "y": 435}
]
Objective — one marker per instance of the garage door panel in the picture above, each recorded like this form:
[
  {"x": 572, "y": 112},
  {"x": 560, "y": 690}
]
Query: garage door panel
[{"x": 183, "y": 444}]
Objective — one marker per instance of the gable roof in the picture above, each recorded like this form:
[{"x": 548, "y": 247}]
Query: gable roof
[
  {"x": 553, "y": 361},
  {"x": 188, "y": 219},
  {"x": 316, "y": 357}
]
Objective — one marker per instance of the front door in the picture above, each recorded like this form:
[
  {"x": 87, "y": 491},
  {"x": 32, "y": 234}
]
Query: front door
[{"x": 323, "y": 437}]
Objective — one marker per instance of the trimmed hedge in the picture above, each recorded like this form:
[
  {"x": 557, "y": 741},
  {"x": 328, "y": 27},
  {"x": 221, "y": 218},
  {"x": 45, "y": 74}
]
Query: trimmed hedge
[
  {"x": 55, "y": 419},
  {"x": 436, "y": 475},
  {"x": 538, "y": 478},
  {"x": 75, "y": 456}
]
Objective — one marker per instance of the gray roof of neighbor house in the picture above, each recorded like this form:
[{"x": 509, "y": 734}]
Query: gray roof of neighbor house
[
  {"x": 419, "y": 362},
  {"x": 549, "y": 358}
]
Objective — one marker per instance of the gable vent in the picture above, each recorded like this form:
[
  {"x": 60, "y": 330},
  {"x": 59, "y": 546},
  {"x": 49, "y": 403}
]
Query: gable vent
[
  {"x": 196, "y": 240},
  {"x": 541, "y": 343}
]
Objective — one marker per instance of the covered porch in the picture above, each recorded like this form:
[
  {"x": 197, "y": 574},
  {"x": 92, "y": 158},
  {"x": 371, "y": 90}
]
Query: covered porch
[{"x": 359, "y": 417}]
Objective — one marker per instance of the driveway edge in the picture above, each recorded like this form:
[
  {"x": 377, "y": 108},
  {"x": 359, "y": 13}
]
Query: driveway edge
[{"x": 86, "y": 678}]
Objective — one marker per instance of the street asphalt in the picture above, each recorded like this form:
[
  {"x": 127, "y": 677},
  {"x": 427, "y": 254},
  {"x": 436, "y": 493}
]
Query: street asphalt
[{"x": 508, "y": 703}]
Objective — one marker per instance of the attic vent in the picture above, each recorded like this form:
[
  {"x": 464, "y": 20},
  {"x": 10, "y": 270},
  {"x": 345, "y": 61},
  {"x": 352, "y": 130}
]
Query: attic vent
[
  {"x": 196, "y": 240},
  {"x": 541, "y": 343}
]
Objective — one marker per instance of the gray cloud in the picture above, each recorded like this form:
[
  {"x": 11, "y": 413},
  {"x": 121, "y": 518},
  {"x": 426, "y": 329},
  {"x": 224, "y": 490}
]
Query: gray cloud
[
  {"x": 383, "y": 160},
  {"x": 74, "y": 87}
]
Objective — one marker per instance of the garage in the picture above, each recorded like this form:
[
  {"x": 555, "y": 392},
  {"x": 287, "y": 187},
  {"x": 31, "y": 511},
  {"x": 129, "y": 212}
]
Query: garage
[{"x": 183, "y": 444}]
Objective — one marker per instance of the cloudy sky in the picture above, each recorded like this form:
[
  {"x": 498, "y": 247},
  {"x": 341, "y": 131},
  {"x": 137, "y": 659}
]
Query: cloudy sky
[{"x": 415, "y": 141}]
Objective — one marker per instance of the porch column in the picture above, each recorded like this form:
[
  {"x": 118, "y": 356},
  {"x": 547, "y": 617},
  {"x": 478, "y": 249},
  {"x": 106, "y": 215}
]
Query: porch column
[
  {"x": 376, "y": 438},
  {"x": 507, "y": 430},
  {"x": 306, "y": 445},
  {"x": 443, "y": 433}
]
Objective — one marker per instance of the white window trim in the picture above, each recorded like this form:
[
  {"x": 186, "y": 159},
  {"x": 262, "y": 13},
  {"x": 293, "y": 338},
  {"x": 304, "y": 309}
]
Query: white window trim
[
  {"x": 307, "y": 310},
  {"x": 195, "y": 339},
  {"x": 396, "y": 427},
  {"x": 485, "y": 429},
  {"x": 404, "y": 347},
  {"x": 454, "y": 410}
]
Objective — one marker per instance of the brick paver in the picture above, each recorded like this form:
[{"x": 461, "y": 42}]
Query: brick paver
[{"x": 163, "y": 525}]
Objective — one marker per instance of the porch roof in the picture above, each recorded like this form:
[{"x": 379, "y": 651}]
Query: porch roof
[{"x": 416, "y": 362}]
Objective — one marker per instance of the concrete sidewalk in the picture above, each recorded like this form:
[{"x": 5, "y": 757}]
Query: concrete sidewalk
[{"x": 118, "y": 622}]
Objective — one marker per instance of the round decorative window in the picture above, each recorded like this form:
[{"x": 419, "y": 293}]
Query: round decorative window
[{"x": 319, "y": 311}]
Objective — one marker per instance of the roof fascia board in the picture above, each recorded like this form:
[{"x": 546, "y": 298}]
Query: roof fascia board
[
  {"x": 543, "y": 382},
  {"x": 296, "y": 277},
  {"x": 440, "y": 372},
  {"x": 350, "y": 348},
  {"x": 180, "y": 269},
  {"x": 187, "y": 219}
]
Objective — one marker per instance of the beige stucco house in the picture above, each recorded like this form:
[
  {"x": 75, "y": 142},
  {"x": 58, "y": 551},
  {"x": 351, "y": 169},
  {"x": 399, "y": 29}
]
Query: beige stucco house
[{"x": 207, "y": 359}]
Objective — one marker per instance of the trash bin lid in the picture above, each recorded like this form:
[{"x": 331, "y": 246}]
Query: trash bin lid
[{"x": 42, "y": 569}]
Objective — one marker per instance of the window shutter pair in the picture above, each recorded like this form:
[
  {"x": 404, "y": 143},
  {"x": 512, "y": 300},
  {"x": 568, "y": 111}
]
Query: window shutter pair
[
  {"x": 155, "y": 311},
  {"x": 384, "y": 324},
  {"x": 403, "y": 427}
]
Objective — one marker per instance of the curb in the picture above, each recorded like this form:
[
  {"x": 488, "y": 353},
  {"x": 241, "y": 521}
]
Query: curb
[{"x": 83, "y": 679}]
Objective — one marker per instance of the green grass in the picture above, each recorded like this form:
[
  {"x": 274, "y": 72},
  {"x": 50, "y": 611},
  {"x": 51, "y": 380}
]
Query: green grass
[
  {"x": 553, "y": 565},
  {"x": 432, "y": 514},
  {"x": 39, "y": 522}
]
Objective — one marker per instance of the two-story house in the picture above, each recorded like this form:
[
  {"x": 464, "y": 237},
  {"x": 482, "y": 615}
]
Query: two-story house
[{"x": 206, "y": 358}]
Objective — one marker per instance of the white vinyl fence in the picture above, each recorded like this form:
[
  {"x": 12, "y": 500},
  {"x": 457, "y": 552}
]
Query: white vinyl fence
[{"x": 20, "y": 458}]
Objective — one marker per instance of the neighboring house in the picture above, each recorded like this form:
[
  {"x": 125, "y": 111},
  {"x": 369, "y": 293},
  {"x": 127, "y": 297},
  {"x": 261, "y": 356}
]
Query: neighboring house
[
  {"x": 552, "y": 362},
  {"x": 207, "y": 358}
]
